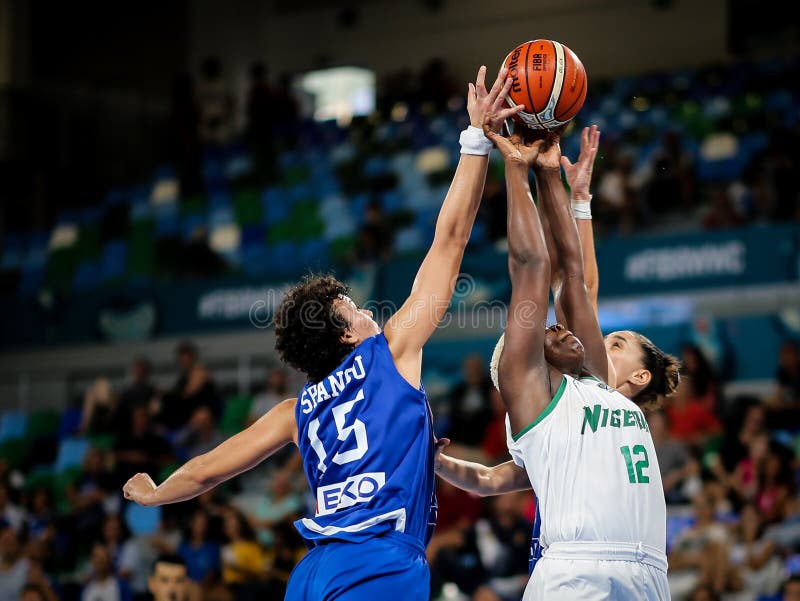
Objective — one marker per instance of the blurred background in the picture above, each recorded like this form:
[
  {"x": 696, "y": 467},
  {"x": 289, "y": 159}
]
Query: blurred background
[{"x": 167, "y": 169}]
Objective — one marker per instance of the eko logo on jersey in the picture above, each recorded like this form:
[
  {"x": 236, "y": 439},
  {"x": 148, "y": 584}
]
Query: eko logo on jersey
[{"x": 356, "y": 489}]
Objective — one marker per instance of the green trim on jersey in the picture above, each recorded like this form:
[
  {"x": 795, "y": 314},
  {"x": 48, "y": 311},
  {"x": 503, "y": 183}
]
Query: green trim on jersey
[{"x": 547, "y": 410}]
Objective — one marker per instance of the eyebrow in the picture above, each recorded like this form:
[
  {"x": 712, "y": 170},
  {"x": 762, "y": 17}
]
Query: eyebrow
[{"x": 618, "y": 337}]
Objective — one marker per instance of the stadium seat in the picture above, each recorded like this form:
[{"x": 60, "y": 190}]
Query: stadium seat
[
  {"x": 71, "y": 452},
  {"x": 142, "y": 521},
  {"x": 114, "y": 261},
  {"x": 43, "y": 422},
  {"x": 13, "y": 424}
]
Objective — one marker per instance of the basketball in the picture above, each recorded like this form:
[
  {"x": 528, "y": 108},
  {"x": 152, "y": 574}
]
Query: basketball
[{"x": 549, "y": 79}]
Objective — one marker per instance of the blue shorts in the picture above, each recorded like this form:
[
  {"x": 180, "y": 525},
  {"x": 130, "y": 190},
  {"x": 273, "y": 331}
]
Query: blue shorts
[{"x": 386, "y": 568}]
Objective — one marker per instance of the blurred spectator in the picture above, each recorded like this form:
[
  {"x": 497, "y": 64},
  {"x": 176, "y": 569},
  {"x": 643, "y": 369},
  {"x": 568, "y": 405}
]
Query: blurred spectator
[
  {"x": 437, "y": 84},
  {"x": 88, "y": 495},
  {"x": 279, "y": 504},
  {"x": 739, "y": 435},
  {"x": 790, "y": 591},
  {"x": 261, "y": 109},
  {"x": 34, "y": 592},
  {"x": 243, "y": 559},
  {"x": 184, "y": 128},
  {"x": 16, "y": 571},
  {"x": 141, "y": 450},
  {"x": 470, "y": 405},
  {"x": 200, "y": 435},
  {"x": 103, "y": 585},
  {"x": 374, "y": 236},
  {"x": 13, "y": 515},
  {"x": 99, "y": 414},
  {"x": 14, "y": 567},
  {"x": 41, "y": 519},
  {"x": 691, "y": 411},
  {"x": 140, "y": 391},
  {"x": 199, "y": 552},
  {"x": 287, "y": 107},
  {"x": 616, "y": 204},
  {"x": 755, "y": 557},
  {"x": 489, "y": 560},
  {"x": 679, "y": 471},
  {"x": 494, "y": 444},
  {"x": 788, "y": 375},
  {"x": 721, "y": 213},
  {"x": 701, "y": 554},
  {"x": 703, "y": 592},
  {"x": 195, "y": 388},
  {"x": 274, "y": 392},
  {"x": 776, "y": 484},
  {"x": 197, "y": 260},
  {"x": 215, "y": 103},
  {"x": 169, "y": 581},
  {"x": 668, "y": 178},
  {"x": 744, "y": 479}
]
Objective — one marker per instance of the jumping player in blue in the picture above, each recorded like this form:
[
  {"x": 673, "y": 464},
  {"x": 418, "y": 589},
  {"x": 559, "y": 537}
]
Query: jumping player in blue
[{"x": 362, "y": 421}]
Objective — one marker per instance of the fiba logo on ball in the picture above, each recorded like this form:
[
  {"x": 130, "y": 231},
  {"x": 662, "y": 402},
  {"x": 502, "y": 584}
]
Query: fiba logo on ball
[{"x": 549, "y": 80}]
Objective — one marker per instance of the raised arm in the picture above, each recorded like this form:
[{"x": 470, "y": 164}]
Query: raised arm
[
  {"x": 579, "y": 178},
  {"x": 523, "y": 372},
  {"x": 412, "y": 325},
  {"x": 238, "y": 454},
  {"x": 482, "y": 480},
  {"x": 572, "y": 296}
]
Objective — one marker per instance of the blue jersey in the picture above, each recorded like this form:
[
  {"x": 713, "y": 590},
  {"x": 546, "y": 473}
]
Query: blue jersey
[{"x": 366, "y": 438}]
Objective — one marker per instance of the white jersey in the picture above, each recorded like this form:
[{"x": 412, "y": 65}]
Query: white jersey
[{"x": 592, "y": 464}]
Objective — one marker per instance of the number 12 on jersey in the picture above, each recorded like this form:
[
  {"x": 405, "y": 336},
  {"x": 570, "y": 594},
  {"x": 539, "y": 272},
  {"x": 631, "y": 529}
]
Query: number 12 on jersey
[{"x": 636, "y": 476}]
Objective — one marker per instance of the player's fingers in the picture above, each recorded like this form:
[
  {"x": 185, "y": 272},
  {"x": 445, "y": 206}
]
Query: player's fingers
[
  {"x": 502, "y": 98},
  {"x": 498, "y": 85},
  {"x": 508, "y": 112},
  {"x": 471, "y": 94},
  {"x": 585, "y": 137},
  {"x": 480, "y": 81}
]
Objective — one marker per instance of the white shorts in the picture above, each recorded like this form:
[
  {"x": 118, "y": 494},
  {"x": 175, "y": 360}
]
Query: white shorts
[{"x": 599, "y": 571}]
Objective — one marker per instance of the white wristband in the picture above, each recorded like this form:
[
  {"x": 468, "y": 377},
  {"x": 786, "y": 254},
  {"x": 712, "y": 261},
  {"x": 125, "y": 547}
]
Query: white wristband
[
  {"x": 582, "y": 209},
  {"x": 474, "y": 141}
]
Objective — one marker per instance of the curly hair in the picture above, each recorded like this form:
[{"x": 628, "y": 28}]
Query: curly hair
[
  {"x": 665, "y": 372},
  {"x": 308, "y": 331}
]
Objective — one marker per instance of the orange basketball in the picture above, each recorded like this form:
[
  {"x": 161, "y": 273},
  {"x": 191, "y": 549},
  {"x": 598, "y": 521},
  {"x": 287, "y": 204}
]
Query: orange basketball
[{"x": 549, "y": 79}]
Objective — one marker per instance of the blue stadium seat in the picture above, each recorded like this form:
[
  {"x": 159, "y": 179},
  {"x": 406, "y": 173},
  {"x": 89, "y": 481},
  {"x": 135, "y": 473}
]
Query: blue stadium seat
[
  {"x": 168, "y": 221},
  {"x": 142, "y": 521},
  {"x": 71, "y": 452},
  {"x": 114, "y": 261},
  {"x": 13, "y": 424},
  {"x": 87, "y": 276}
]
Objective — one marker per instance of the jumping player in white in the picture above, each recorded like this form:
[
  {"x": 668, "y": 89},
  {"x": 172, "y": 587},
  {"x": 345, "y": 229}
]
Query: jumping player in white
[{"x": 585, "y": 447}]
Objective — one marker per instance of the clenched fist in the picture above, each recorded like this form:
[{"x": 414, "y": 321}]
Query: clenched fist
[{"x": 140, "y": 489}]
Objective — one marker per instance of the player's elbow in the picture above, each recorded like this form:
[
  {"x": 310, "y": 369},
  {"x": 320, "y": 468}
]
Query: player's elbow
[
  {"x": 452, "y": 236},
  {"x": 203, "y": 473}
]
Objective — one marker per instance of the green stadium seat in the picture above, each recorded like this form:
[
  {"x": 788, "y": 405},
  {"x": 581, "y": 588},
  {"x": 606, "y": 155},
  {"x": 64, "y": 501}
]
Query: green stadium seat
[
  {"x": 14, "y": 451},
  {"x": 247, "y": 207},
  {"x": 41, "y": 477},
  {"x": 235, "y": 413},
  {"x": 43, "y": 422}
]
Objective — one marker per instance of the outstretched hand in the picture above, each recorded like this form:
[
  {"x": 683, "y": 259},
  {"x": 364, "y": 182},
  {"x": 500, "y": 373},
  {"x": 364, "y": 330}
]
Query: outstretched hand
[
  {"x": 513, "y": 148},
  {"x": 579, "y": 174},
  {"x": 481, "y": 102}
]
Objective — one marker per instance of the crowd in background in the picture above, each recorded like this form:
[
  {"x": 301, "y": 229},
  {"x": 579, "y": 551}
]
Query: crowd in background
[{"x": 729, "y": 466}]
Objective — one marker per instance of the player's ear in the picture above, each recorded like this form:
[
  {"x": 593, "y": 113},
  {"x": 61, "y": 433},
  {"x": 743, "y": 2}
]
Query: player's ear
[
  {"x": 641, "y": 377},
  {"x": 349, "y": 337}
]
